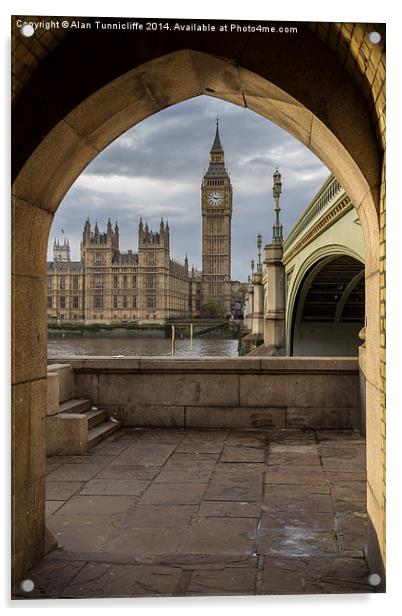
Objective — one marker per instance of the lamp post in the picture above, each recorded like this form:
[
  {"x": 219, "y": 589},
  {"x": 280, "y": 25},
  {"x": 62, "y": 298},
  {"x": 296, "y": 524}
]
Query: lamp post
[
  {"x": 252, "y": 266},
  {"x": 277, "y": 231},
  {"x": 259, "y": 244}
]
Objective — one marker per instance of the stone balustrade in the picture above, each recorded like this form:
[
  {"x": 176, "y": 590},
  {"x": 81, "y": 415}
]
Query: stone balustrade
[{"x": 253, "y": 392}]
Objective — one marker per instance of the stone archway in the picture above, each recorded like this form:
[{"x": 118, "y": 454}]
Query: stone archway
[
  {"x": 327, "y": 252},
  {"x": 328, "y": 311},
  {"x": 316, "y": 101}
]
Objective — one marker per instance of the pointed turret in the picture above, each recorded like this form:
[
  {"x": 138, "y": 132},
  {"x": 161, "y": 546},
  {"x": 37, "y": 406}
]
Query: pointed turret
[
  {"x": 217, "y": 146},
  {"x": 87, "y": 232},
  {"x": 216, "y": 167}
]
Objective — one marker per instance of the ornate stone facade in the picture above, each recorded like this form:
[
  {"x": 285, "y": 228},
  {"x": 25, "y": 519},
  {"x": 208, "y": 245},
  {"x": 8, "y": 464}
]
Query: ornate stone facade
[{"x": 108, "y": 286}]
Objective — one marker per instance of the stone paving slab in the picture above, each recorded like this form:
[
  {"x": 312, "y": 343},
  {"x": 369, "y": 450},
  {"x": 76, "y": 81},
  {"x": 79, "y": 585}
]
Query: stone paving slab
[
  {"x": 283, "y": 576},
  {"x": 293, "y": 459},
  {"x": 279, "y": 502},
  {"x": 336, "y": 477},
  {"x": 230, "y": 581},
  {"x": 143, "y": 453},
  {"x": 295, "y": 475},
  {"x": 229, "y": 509},
  {"x": 339, "y": 464},
  {"x": 115, "y": 487},
  {"x": 154, "y": 516},
  {"x": 159, "y": 540},
  {"x": 220, "y": 536},
  {"x": 76, "y": 472},
  {"x": 297, "y": 542},
  {"x": 174, "y": 494},
  {"x": 221, "y": 490},
  {"x": 322, "y": 521},
  {"x": 81, "y": 533},
  {"x": 176, "y": 476},
  {"x": 197, "y": 445},
  {"x": 129, "y": 471},
  {"x": 97, "y": 505},
  {"x": 62, "y": 490},
  {"x": 185, "y": 512},
  {"x": 243, "y": 454},
  {"x": 111, "y": 580}
]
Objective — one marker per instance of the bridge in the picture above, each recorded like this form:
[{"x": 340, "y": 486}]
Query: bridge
[{"x": 322, "y": 267}]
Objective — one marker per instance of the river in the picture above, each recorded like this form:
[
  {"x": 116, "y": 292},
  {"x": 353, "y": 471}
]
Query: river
[{"x": 76, "y": 345}]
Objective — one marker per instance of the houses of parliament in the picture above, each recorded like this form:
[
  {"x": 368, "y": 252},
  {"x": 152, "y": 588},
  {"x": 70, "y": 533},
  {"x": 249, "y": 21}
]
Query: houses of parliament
[{"x": 109, "y": 286}]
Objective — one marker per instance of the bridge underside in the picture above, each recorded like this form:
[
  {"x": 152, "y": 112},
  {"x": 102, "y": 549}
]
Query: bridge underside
[{"x": 330, "y": 309}]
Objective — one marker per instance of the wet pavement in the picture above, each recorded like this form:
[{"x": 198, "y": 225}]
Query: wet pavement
[{"x": 166, "y": 512}]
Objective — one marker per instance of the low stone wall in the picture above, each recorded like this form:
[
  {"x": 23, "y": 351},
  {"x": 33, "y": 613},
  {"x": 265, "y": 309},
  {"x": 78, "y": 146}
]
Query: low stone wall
[{"x": 280, "y": 392}]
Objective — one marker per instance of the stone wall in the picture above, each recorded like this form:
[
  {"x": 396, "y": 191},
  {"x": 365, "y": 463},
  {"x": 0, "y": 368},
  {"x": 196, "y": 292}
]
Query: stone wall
[{"x": 280, "y": 392}]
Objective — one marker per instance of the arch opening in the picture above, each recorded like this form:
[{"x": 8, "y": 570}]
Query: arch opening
[{"x": 330, "y": 308}]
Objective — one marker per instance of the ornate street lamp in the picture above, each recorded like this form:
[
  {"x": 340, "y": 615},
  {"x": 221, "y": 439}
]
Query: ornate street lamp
[
  {"x": 277, "y": 231},
  {"x": 259, "y": 244},
  {"x": 252, "y": 266}
]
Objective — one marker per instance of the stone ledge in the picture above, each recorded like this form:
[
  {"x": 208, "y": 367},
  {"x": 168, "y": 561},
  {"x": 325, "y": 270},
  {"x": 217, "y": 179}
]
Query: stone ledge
[{"x": 272, "y": 365}]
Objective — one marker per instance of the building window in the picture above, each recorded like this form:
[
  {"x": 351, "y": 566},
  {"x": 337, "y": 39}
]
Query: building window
[
  {"x": 49, "y": 283},
  {"x": 135, "y": 301},
  {"x": 125, "y": 281},
  {"x": 151, "y": 301},
  {"x": 124, "y": 301},
  {"x": 98, "y": 281},
  {"x": 135, "y": 281},
  {"x": 62, "y": 283},
  {"x": 115, "y": 281},
  {"x": 98, "y": 301},
  {"x": 62, "y": 301},
  {"x": 115, "y": 302},
  {"x": 75, "y": 283},
  {"x": 49, "y": 301},
  {"x": 98, "y": 258},
  {"x": 151, "y": 258},
  {"x": 75, "y": 301},
  {"x": 151, "y": 281}
]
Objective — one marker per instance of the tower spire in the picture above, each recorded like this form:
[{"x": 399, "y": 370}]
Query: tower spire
[{"x": 217, "y": 146}]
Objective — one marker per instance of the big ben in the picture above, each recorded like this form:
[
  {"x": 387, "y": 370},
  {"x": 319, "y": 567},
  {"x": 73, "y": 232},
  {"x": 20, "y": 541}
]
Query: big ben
[{"x": 216, "y": 206}]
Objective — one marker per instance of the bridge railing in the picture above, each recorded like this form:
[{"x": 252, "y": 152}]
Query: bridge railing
[{"x": 331, "y": 192}]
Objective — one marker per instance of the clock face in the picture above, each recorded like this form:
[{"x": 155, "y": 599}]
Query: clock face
[{"x": 215, "y": 198}]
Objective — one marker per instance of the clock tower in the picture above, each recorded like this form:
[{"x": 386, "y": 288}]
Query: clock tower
[{"x": 216, "y": 207}]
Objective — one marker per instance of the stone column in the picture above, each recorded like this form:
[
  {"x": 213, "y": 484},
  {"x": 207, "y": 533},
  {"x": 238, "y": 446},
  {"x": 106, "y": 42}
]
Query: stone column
[
  {"x": 274, "y": 318},
  {"x": 257, "y": 328}
]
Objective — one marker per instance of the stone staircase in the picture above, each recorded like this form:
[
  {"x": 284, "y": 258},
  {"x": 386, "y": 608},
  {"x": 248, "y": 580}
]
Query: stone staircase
[
  {"x": 72, "y": 425},
  {"x": 99, "y": 424}
]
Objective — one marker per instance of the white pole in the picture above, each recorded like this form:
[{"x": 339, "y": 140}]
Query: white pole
[{"x": 173, "y": 336}]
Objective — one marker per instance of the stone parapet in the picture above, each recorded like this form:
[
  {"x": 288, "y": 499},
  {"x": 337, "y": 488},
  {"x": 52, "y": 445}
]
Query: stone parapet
[{"x": 251, "y": 392}]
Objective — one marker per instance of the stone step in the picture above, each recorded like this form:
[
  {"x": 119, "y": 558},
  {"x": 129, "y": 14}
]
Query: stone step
[
  {"x": 95, "y": 417},
  {"x": 75, "y": 406},
  {"x": 101, "y": 431}
]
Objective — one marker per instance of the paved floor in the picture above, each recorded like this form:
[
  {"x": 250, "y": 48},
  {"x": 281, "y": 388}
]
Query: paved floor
[{"x": 207, "y": 512}]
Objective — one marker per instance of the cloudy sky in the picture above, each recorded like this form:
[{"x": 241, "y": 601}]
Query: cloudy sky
[{"x": 155, "y": 169}]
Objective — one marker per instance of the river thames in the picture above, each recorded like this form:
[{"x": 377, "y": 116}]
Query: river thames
[{"x": 71, "y": 346}]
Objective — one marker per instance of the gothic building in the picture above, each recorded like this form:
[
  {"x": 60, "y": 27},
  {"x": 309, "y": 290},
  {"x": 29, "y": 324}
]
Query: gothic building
[{"x": 109, "y": 286}]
